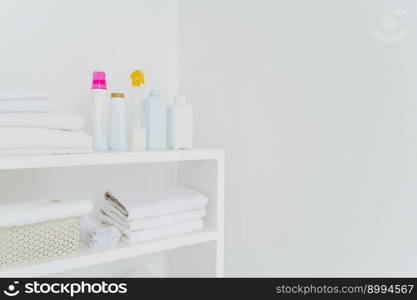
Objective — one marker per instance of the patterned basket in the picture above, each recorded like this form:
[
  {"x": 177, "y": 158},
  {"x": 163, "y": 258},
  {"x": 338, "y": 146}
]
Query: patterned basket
[{"x": 38, "y": 242}]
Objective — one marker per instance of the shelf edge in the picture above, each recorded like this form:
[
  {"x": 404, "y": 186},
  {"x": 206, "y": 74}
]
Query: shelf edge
[{"x": 91, "y": 258}]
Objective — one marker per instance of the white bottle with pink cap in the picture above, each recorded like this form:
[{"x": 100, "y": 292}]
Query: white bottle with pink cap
[{"x": 100, "y": 103}]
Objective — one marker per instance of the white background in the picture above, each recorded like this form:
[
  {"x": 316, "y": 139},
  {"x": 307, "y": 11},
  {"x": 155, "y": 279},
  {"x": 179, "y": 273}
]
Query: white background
[
  {"x": 317, "y": 117},
  {"x": 319, "y": 123}
]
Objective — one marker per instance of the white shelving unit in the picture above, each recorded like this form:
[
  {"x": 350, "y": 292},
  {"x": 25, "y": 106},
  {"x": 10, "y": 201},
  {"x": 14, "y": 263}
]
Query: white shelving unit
[{"x": 191, "y": 255}]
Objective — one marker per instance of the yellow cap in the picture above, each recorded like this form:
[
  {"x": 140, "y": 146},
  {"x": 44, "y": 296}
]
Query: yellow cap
[{"x": 138, "y": 78}]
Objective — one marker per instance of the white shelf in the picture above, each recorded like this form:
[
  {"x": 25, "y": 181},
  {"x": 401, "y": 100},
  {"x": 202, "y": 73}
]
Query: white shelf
[
  {"x": 207, "y": 177},
  {"x": 86, "y": 258},
  {"x": 108, "y": 158}
]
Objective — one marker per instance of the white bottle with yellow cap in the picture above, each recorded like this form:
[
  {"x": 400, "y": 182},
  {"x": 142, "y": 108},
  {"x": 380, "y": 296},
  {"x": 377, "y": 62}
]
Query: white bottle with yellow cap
[
  {"x": 136, "y": 108},
  {"x": 118, "y": 123}
]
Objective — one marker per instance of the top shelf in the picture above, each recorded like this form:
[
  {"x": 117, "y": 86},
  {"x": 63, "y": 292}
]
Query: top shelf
[{"x": 108, "y": 158}]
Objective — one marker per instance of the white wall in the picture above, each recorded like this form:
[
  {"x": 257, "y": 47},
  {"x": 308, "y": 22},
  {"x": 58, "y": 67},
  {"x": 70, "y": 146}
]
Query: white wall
[
  {"x": 319, "y": 122},
  {"x": 55, "y": 45}
]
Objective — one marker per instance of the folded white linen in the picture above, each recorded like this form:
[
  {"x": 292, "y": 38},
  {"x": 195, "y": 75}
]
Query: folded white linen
[
  {"x": 24, "y": 213},
  {"x": 25, "y": 96},
  {"x": 22, "y": 138},
  {"x": 38, "y": 105},
  {"x": 44, "y": 151},
  {"x": 65, "y": 120},
  {"x": 154, "y": 202},
  {"x": 98, "y": 236},
  {"x": 151, "y": 222},
  {"x": 163, "y": 232}
]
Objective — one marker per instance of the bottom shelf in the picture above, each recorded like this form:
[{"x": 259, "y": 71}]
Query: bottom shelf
[{"x": 86, "y": 258}]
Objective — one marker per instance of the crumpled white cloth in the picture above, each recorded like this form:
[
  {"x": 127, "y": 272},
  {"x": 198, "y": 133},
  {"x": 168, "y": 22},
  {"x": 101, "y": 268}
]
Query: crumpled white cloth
[{"x": 98, "y": 236}]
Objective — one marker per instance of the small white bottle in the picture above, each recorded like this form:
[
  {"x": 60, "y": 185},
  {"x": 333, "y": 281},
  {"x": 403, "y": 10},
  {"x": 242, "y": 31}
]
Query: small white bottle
[
  {"x": 118, "y": 123},
  {"x": 180, "y": 124},
  {"x": 155, "y": 115},
  {"x": 138, "y": 139}
]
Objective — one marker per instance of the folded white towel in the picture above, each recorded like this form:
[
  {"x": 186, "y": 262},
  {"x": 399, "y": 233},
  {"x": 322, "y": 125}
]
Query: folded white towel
[
  {"x": 163, "y": 232},
  {"x": 37, "y": 105},
  {"x": 152, "y": 222},
  {"x": 44, "y": 151},
  {"x": 155, "y": 202},
  {"x": 22, "y": 138},
  {"x": 24, "y": 213},
  {"x": 25, "y": 96},
  {"x": 65, "y": 120},
  {"x": 98, "y": 236}
]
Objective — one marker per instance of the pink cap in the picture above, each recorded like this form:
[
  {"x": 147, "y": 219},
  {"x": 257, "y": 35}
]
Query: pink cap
[{"x": 99, "y": 81}]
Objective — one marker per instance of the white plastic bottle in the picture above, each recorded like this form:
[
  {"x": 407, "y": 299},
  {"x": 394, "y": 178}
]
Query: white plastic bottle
[
  {"x": 118, "y": 123},
  {"x": 138, "y": 139},
  {"x": 155, "y": 114},
  {"x": 100, "y": 103},
  {"x": 137, "y": 80},
  {"x": 180, "y": 124},
  {"x": 135, "y": 109}
]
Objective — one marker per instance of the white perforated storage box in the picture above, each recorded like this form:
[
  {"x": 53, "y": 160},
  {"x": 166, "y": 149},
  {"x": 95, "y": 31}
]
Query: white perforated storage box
[
  {"x": 53, "y": 230},
  {"x": 38, "y": 242}
]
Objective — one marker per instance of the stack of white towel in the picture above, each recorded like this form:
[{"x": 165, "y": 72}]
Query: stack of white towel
[
  {"x": 154, "y": 214},
  {"x": 30, "y": 125}
]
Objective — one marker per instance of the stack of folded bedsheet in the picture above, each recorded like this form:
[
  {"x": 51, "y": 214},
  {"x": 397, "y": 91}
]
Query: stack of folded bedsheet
[
  {"x": 30, "y": 125},
  {"x": 154, "y": 214}
]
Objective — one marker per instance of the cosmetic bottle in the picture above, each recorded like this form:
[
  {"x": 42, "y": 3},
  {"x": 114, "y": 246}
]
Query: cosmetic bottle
[
  {"x": 138, "y": 80},
  {"x": 180, "y": 124},
  {"x": 135, "y": 111},
  {"x": 138, "y": 138},
  {"x": 155, "y": 115},
  {"x": 118, "y": 123},
  {"x": 100, "y": 103}
]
